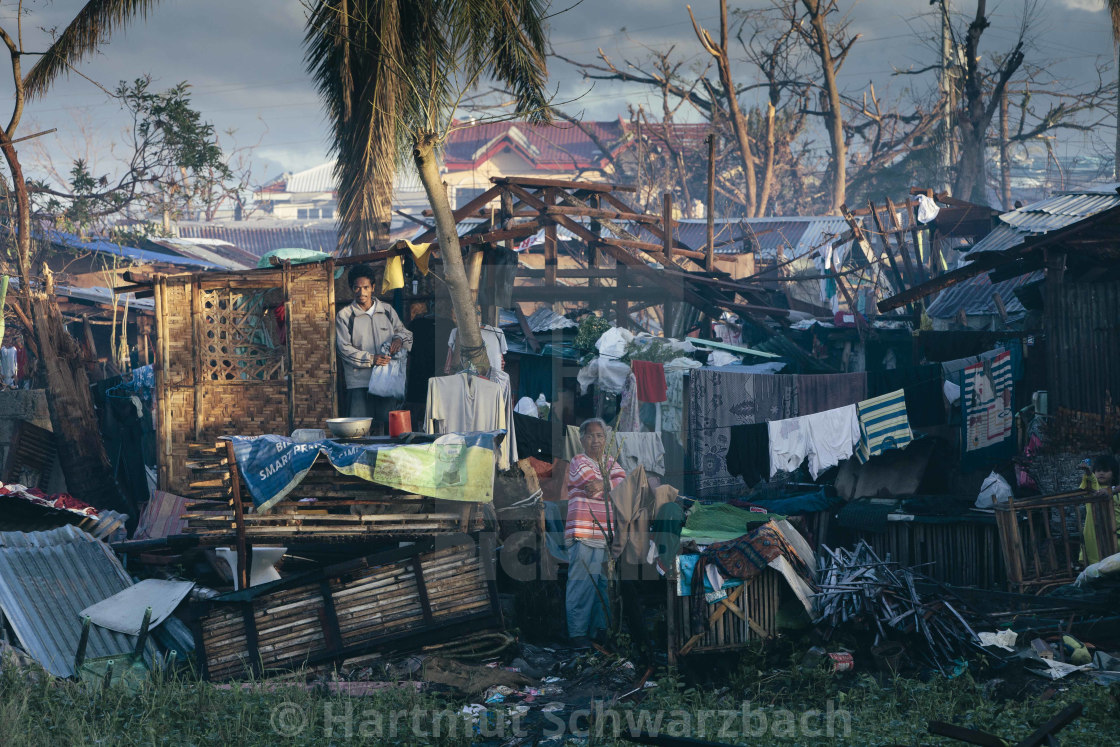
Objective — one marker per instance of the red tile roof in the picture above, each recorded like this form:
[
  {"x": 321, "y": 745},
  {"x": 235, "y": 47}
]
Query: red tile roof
[{"x": 560, "y": 146}]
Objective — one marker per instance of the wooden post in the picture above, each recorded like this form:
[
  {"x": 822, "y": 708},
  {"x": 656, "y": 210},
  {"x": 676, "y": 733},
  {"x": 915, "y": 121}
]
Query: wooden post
[
  {"x": 239, "y": 517},
  {"x": 667, "y": 227},
  {"x": 709, "y": 250},
  {"x": 550, "y": 260},
  {"x": 667, "y": 243},
  {"x": 286, "y": 280},
  {"x": 332, "y": 390},
  {"x": 895, "y": 273},
  {"x": 623, "y": 305},
  {"x": 896, "y": 228},
  {"x": 196, "y": 355},
  {"x": 671, "y": 615}
]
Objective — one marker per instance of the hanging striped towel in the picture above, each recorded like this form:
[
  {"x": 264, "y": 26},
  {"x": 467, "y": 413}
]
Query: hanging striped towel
[{"x": 883, "y": 424}]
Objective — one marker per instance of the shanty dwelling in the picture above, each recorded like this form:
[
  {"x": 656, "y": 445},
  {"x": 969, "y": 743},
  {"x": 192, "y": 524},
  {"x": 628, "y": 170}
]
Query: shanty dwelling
[
  {"x": 1045, "y": 276},
  {"x": 750, "y": 448}
]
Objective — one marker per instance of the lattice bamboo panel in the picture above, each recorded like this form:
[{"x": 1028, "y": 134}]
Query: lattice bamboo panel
[{"x": 242, "y": 353}]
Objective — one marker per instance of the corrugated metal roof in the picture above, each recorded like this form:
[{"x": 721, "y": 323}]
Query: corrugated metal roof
[
  {"x": 46, "y": 580},
  {"x": 210, "y": 250},
  {"x": 1044, "y": 216},
  {"x": 315, "y": 179},
  {"x": 975, "y": 296},
  {"x": 126, "y": 254},
  {"x": 259, "y": 240},
  {"x": 546, "y": 320},
  {"x": 795, "y": 235},
  {"x": 101, "y": 294}
]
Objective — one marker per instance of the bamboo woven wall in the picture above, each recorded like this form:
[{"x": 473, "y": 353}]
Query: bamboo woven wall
[{"x": 227, "y": 367}]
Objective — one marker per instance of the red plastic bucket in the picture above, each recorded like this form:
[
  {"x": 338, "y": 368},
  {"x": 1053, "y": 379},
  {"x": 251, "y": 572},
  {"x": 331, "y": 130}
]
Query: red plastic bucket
[{"x": 400, "y": 421}]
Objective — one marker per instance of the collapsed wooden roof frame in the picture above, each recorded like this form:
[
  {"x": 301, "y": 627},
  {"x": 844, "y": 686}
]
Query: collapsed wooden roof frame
[{"x": 645, "y": 272}]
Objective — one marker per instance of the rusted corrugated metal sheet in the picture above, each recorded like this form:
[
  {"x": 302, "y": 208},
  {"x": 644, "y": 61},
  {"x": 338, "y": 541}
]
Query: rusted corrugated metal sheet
[
  {"x": 259, "y": 241},
  {"x": 46, "y": 580},
  {"x": 1047, "y": 215},
  {"x": 975, "y": 297},
  {"x": 1083, "y": 330}
]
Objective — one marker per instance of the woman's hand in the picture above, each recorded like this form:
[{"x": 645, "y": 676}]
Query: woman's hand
[
  {"x": 594, "y": 487},
  {"x": 381, "y": 360}
]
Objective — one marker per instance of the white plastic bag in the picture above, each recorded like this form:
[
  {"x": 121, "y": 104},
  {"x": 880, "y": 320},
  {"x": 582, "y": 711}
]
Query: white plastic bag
[
  {"x": 610, "y": 375},
  {"x": 1110, "y": 566},
  {"x": 994, "y": 490},
  {"x": 613, "y": 342},
  {"x": 390, "y": 380},
  {"x": 927, "y": 209}
]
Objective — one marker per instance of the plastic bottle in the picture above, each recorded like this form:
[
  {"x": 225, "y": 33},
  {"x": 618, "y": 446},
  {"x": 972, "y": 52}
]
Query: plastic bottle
[{"x": 542, "y": 407}]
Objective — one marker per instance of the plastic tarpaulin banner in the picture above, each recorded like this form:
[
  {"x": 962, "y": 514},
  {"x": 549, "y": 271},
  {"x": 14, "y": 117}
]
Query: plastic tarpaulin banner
[{"x": 455, "y": 467}]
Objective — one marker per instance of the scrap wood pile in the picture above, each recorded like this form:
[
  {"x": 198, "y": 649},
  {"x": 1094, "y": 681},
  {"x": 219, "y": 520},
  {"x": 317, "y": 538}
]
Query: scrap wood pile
[
  {"x": 857, "y": 588},
  {"x": 327, "y": 504}
]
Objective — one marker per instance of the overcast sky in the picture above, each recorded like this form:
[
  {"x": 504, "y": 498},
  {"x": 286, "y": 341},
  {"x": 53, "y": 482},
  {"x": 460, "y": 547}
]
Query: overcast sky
[{"x": 244, "y": 61}]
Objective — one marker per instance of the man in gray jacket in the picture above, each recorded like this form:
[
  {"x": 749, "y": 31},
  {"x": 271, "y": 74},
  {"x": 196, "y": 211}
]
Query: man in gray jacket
[{"x": 361, "y": 329}]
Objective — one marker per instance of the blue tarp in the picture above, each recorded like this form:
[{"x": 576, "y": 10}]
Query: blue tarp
[
  {"x": 102, "y": 246},
  {"x": 456, "y": 466}
]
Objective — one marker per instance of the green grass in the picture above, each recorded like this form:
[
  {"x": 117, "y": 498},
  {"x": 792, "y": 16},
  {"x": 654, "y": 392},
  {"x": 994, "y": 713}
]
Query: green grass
[{"x": 36, "y": 709}]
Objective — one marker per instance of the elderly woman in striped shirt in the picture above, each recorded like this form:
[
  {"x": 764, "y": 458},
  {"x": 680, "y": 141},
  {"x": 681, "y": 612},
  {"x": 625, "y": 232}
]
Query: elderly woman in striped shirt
[{"x": 585, "y": 533}]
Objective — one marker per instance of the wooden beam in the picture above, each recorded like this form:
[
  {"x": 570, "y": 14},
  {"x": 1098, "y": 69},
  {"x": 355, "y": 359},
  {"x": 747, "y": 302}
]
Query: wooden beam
[
  {"x": 950, "y": 278},
  {"x": 619, "y": 254},
  {"x": 886, "y": 246},
  {"x": 858, "y": 236},
  {"x": 623, "y": 307},
  {"x": 550, "y": 258},
  {"x": 605, "y": 296},
  {"x": 999, "y": 306},
  {"x": 239, "y": 517},
  {"x": 917, "y": 270},
  {"x": 464, "y": 212},
  {"x": 709, "y": 248},
  {"x": 667, "y": 228},
  {"x": 599, "y": 213},
  {"x": 576, "y": 272},
  {"x": 529, "y": 181},
  {"x": 525, "y": 330}
]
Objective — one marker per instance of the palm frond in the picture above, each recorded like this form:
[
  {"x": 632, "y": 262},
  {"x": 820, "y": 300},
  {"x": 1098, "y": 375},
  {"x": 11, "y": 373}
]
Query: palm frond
[
  {"x": 366, "y": 144},
  {"x": 91, "y": 28},
  {"x": 407, "y": 63}
]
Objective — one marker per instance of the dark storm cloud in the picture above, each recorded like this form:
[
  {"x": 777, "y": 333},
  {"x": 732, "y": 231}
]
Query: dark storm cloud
[{"x": 244, "y": 59}]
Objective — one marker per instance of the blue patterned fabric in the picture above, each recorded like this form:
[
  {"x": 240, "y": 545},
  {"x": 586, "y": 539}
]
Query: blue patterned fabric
[{"x": 719, "y": 399}]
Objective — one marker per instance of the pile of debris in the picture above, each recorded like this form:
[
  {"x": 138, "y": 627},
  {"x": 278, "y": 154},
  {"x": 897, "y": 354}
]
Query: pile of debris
[{"x": 857, "y": 588}]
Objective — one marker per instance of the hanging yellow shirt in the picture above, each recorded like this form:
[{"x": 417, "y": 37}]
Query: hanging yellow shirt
[
  {"x": 394, "y": 266},
  {"x": 1091, "y": 553}
]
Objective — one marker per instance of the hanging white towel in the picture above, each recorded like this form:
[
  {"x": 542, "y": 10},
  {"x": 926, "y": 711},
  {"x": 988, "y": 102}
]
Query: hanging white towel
[
  {"x": 833, "y": 436},
  {"x": 789, "y": 444}
]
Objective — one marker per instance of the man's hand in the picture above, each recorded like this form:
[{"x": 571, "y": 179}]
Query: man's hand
[
  {"x": 381, "y": 360},
  {"x": 395, "y": 346}
]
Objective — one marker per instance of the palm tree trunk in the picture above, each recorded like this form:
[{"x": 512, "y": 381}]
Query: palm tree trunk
[
  {"x": 81, "y": 452},
  {"x": 454, "y": 273}
]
